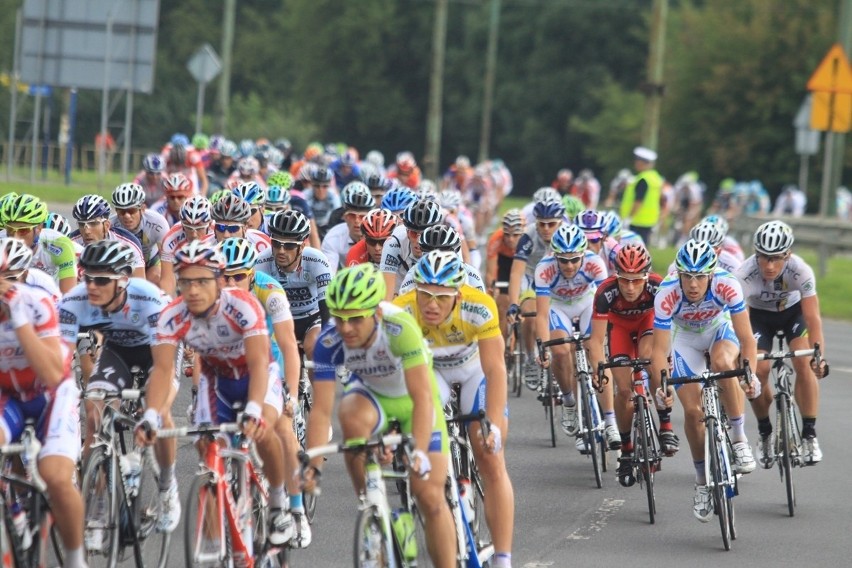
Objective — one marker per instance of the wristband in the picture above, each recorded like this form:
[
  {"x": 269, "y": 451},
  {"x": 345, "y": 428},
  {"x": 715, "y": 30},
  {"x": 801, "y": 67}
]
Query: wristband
[
  {"x": 152, "y": 417},
  {"x": 253, "y": 410}
]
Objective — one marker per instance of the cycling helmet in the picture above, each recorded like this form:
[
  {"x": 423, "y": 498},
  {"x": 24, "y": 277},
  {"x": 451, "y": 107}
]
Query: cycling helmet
[
  {"x": 128, "y": 195},
  {"x": 590, "y": 220},
  {"x": 179, "y": 138},
  {"x": 290, "y": 224},
  {"x": 451, "y": 199},
  {"x": 376, "y": 158},
  {"x": 360, "y": 287},
  {"x": 632, "y": 258},
  {"x": 283, "y": 145},
  {"x": 717, "y": 220},
  {"x": 320, "y": 174},
  {"x": 611, "y": 223},
  {"x": 177, "y": 184},
  {"x": 709, "y": 232},
  {"x": 30, "y": 209},
  {"x": 549, "y": 210},
  {"x": 277, "y": 196},
  {"x": 231, "y": 209},
  {"x": 427, "y": 190},
  {"x": 405, "y": 162},
  {"x": 573, "y": 206},
  {"x": 58, "y": 223},
  {"x": 442, "y": 268},
  {"x": 177, "y": 154},
  {"x": 569, "y": 239},
  {"x": 440, "y": 237},
  {"x": 87, "y": 208},
  {"x": 216, "y": 143},
  {"x": 203, "y": 253},
  {"x": 229, "y": 149},
  {"x": 374, "y": 178},
  {"x": 108, "y": 256},
  {"x": 357, "y": 196},
  {"x": 6, "y": 206},
  {"x": 774, "y": 237},
  {"x": 15, "y": 255},
  {"x": 379, "y": 224},
  {"x": 195, "y": 211},
  {"x": 219, "y": 194},
  {"x": 513, "y": 222},
  {"x": 246, "y": 147},
  {"x": 252, "y": 192},
  {"x": 248, "y": 166},
  {"x": 543, "y": 194},
  {"x": 697, "y": 257},
  {"x": 282, "y": 179},
  {"x": 422, "y": 214},
  {"x": 313, "y": 151},
  {"x": 201, "y": 141},
  {"x": 726, "y": 186},
  {"x": 398, "y": 199},
  {"x": 153, "y": 164},
  {"x": 240, "y": 254}
]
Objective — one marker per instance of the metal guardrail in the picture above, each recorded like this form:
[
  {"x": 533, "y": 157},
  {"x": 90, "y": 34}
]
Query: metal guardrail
[{"x": 828, "y": 237}]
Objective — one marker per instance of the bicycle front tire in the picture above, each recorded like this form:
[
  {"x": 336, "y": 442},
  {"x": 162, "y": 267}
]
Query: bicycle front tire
[
  {"x": 590, "y": 436},
  {"x": 784, "y": 423},
  {"x": 642, "y": 452},
  {"x": 550, "y": 408},
  {"x": 371, "y": 542},
  {"x": 99, "y": 480},
  {"x": 203, "y": 520},
  {"x": 719, "y": 490}
]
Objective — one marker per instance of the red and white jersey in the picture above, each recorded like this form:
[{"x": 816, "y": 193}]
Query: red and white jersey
[
  {"x": 17, "y": 377},
  {"x": 41, "y": 279},
  {"x": 261, "y": 241},
  {"x": 172, "y": 241},
  {"x": 219, "y": 338}
]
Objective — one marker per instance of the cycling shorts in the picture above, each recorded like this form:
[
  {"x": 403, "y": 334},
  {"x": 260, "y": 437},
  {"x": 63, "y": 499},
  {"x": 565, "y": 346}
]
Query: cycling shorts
[
  {"x": 623, "y": 334},
  {"x": 303, "y": 325},
  {"x": 688, "y": 347},
  {"x": 112, "y": 369},
  {"x": 400, "y": 408},
  {"x": 561, "y": 318},
  {"x": 765, "y": 324},
  {"x": 471, "y": 381},
  {"x": 227, "y": 397},
  {"x": 57, "y": 419}
]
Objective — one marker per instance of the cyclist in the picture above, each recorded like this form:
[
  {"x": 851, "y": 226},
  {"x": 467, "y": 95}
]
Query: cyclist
[
  {"x": 623, "y": 315},
  {"x": 592, "y": 224},
  {"x": 292, "y": 200},
  {"x": 533, "y": 245},
  {"x": 255, "y": 195},
  {"x": 36, "y": 383},
  {"x": 461, "y": 326},
  {"x": 565, "y": 285},
  {"x": 151, "y": 178},
  {"x": 442, "y": 237},
  {"x": 357, "y": 202},
  {"x": 237, "y": 365},
  {"x": 176, "y": 190},
  {"x": 92, "y": 215},
  {"x": 405, "y": 170},
  {"x": 780, "y": 290},
  {"x": 541, "y": 195},
  {"x": 240, "y": 258},
  {"x": 20, "y": 259},
  {"x": 730, "y": 244},
  {"x": 712, "y": 233},
  {"x": 182, "y": 159},
  {"x": 319, "y": 194},
  {"x": 498, "y": 261},
  {"x": 149, "y": 227},
  {"x": 231, "y": 215},
  {"x": 402, "y": 249},
  {"x": 376, "y": 228},
  {"x": 345, "y": 169},
  {"x": 222, "y": 167},
  {"x": 460, "y": 219},
  {"x": 248, "y": 170},
  {"x": 376, "y": 181},
  {"x": 698, "y": 309},
  {"x": 53, "y": 252},
  {"x": 58, "y": 223},
  {"x": 195, "y": 223}
]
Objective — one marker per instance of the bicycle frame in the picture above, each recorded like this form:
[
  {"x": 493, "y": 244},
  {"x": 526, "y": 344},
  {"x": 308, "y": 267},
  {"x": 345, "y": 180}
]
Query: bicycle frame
[{"x": 714, "y": 427}]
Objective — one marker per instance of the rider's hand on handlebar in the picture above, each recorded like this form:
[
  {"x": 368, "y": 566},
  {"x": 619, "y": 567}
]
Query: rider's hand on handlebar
[
  {"x": 146, "y": 429},
  {"x": 494, "y": 441},
  {"x": 513, "y": 312},
  {"x": 751, "y": 386},
  {"x": 420, "y": 463},
  {"x": 821, "y": 372},
  {"x": 664, "y": 400}
]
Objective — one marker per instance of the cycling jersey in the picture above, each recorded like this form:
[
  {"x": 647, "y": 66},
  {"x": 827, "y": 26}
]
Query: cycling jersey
[
  {"x": 172, "y": 241},
  {"x": 121, "y": 235},
  {"x": 152, "y": 229},
  {"x": 154, "y": 191},
  {"x": 731, "y": 245},
  {"x": 260, "y": 241},
  {"x": 358, "y": 254},
  {"x": 397, "y": 255},
  {"x": 42, "y": 280},
  {"x": 627, "y": 320},
  {"x": 306, "y": 285},
  {"x": 162, "y": 207},
  {"x": 473, "y": 279},
  {"x": 795, "y": 282},
  {"x": 672, "y": 310},
  {"x": 322, "y": 208},
  {"x": 55, "y": 254},
  {"x": 531, "y": 249},
  {"x": 274, "y": 301},
  {"x": 336, "y": 244},
  {"x": 504, "y": 254},
  {"x": 131, "y": 325},
  {"x": 570, "y": 297}
]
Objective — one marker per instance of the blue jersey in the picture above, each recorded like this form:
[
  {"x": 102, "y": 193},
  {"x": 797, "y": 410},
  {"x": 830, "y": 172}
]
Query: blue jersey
[{"x": 671, "y": 308}]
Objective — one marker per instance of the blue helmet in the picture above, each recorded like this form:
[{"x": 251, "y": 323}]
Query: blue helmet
[
  {"x": 277, "y": 195},
  {"x": 612, "y": 223},
  {"x": 91, "y": 207},
  {"x": 180, "y": 138},
  {"x": 251, "y": 192},
  {"x": 721, "y": 222},
  {"x": 240, "y": 254},
  {"x": 569, "y": 239},
  {"x": 398, "y": 199},
  {"x": 59, "y": 223},
  {"x": 696, "y": 256},
  {"x": 549, "y": 210},
  {"x": 442, "y": 268}
]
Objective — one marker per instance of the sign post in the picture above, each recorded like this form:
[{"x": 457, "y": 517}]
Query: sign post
[
  {"x": 807, "y": 140},
  {"x": 831, "y": 85},
  {"x": 204, "y": 65}
]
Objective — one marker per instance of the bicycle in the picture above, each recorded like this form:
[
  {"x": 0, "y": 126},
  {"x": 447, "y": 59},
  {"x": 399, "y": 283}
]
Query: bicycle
[
  {"x": 550, "y": 395},
  {"x": 120, "y": 489},
  {"x": 718, "y": 454},
  {"x": 590, "y": 417},
  {"x": 647, "y": 455},
  {"x": 28, "y": 530},
  {"x": 533, "y": 385},
  {"x": 788, "y": 441},
  {"x": 227, "y": 505},
  {"x": 304, "y": 403},
  {"x": 384, "y": 537},
  {"x": 515, "y": 355}
]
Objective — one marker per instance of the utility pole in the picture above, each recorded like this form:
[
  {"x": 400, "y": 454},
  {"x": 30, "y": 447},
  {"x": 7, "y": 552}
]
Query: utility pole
[
  {"x": 490, "y": 77},
  {"x": 655, "y": 86},
  {"x": 224, "y": 99},
  {"x": 432, "y": 156},
  {"x": 837, "y": 149}
]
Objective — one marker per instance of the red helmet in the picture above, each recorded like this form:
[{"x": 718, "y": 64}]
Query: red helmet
[
  {"x": 177, "y": 184},
  {"x": 405, "y": 162},
  {"x": 379, "y": 224},
  {"x": 632, "y": 257}
]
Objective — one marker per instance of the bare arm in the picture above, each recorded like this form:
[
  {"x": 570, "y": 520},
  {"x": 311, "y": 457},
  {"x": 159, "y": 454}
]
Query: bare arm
[
  {"x": 542, "y": 318},
  {"x": 419, "y": 385},
  {"x": 491, "y": 353},
  {"x": 286, "y": 338},
  {"x": 167, "y": 278},
  {"x": 519, "y": 267},
  {"x": 257, "y": 355},
  {"x": 748, "y": 345},
  {"x": 160, "y": 379},
  {"x": 44, "y": 354},
  {"x": 810, "y": 312}
]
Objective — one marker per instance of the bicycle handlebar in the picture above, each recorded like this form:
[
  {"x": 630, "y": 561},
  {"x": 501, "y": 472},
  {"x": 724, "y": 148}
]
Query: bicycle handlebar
[
  {"x": 484, "y": 422},
  {"x": 744, "y": 371},
  {"x": 637, "y": 364},
  {"x": 28, "y": 448},
  {"x": 228, "y": 428},
  {"x": 815, "y": 353},
  {"x": 101, "y": 394}
]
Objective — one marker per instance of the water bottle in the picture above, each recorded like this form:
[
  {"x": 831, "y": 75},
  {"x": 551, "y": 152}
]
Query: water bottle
[
  {"x": 403, "y": 528},
  {"x": 131, "y": 467},
  {"x": 19, "y": 520},
  {"x": 466, "y": 499}
]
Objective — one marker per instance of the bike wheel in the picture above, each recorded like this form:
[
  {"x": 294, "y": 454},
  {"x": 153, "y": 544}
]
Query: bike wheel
[
  {"x": 719, "y": 489},
  {"x": 154, "y": 544},
  {"x": 371, "y": 542},
  {"x": 100, "y": 499},
  {"x": 643, "y": 452},
  {"x": 786, "y": 462},
  {"x": 550, "y": 409},
  {"x": 590, "y": 437},
  {"x": 518, "y": 365},
  {"x": 46, "y": 549},
  {"x": 206, "y": 538}
]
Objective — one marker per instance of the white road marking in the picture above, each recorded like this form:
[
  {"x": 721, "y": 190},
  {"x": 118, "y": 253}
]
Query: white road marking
[{"x": 598, "y": 520}]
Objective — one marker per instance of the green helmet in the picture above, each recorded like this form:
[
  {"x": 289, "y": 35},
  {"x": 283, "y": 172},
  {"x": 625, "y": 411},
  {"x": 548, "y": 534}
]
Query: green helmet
[
  {"x": 282, "y": 179},
  {"x": 573, "y": 206},
  {"x": 219, "y": 195},
  {"x": 6, "y": 206},
  {"x": 26, "y": 209},
  {"x": 359, "y": 287},
  {"x": 201, "y": 141}
]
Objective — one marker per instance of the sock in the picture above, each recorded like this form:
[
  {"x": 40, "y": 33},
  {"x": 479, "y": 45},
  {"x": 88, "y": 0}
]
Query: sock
[
  {"x": 568, "y": 399},
  {"x": 764, "y": 426},
  {"x": 75, "y": 558},
  {"x": 609, "y": 418},
  {"x": 626, "y": 443},
  {"x": 502, "y": 560},
  {"x": 809, "y": 427},
  {"x": 277, "y": 497},
  {"x": 738, "y": 428},
  {"x": 167, "y": 475},
  {"x": 296, "y": 503},
  {"x": 665, "y": 418},
  {"x": 700, "y": 479}
]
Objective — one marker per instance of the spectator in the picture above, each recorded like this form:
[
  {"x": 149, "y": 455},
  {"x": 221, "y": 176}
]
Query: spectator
[
  {"x": 564, "y": 181},
  {"x": 587, "y": 189},
  {"x": 640, "y": 204},
  {"x": 790, "y": 202},
  {"x": 844, "y": 203}
]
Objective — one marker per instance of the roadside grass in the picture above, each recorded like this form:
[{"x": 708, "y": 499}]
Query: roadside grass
[{"x": 52, "y": 188}]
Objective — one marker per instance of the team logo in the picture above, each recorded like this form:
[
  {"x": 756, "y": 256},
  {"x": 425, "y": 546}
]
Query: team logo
[{"x": 222, "y": 330}]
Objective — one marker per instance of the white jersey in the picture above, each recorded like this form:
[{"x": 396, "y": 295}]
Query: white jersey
[
  {"x": 120, "y": 235},
  {"x": 795, "y": 282},
  {"x": 474, "y": 279},
  {"x": 335, "y": 246},
  {"x": 172, "y": 241},
  {"x": 397, "y": 255},
  {"x": 305, "y": 286},
  {"x": 578, "y": 290},
  {"x": 42, "y": 280},
  {"x": 672, "y": 310},
  {"x": 151, "y": 232}
]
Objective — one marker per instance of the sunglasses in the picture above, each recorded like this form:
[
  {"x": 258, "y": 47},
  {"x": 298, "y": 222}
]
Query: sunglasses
[
  {"x": 177, "y": 197},
  {"x": 375, "y": 242},
  {"x": 254, "y": 210},
  {"x": 355, "y": 317},
  {"x": 128, "y": 211},
  {"x": 772, "y": 257},
  {"x": 594, "y": 240},
  {"x": 194, "y": 228},
  {"x": 569, "y": 260},
  {"x": 690, "y": 276},
  {"x": 187, "y": 283},
  {"x": 413, "y": 235},
  {"x": 230, "y": 229},
  {"x": 10, "y": 230},
  {"x": 99, "y": 281},
  {"x": 631, "y": 281},
  {"x": 89, "y": 224},
  {"x": 439, "y": 298},
  {"x": 286, "y": 245},
  {"x": 548, "y": 224},
  {"x": 13, "y": 277},
  {"x": 238, "y": 276}
]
